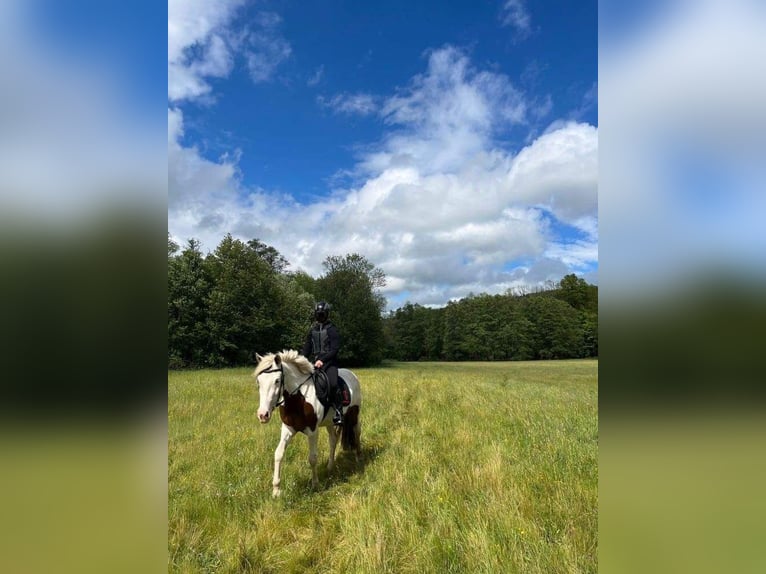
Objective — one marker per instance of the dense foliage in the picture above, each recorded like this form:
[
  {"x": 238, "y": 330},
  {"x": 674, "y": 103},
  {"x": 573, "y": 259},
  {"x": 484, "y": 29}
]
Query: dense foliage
[
  {"x": 240, "y": 299},
  {"x": 352, "y": 286},
  {"x": 558, "y": 323}
]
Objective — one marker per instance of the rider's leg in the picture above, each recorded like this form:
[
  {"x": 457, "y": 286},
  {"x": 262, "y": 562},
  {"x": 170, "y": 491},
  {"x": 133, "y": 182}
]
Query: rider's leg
[{"x": 332, "y": 381}]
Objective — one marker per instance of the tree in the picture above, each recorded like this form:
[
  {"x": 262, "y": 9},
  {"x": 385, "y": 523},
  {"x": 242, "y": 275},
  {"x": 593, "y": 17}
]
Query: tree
[
  {"x": 269, "y": 254},
  {"x": 173, "y": 247},
  {"x": 295, "y": 305},
  {"x": 574, "y": 290},
  {"x": 454, "y": 345},
  {"x": 557, "y": 330},
  {"x": 411, "y": 333},
  {"x": 351, "y": 284},
  {"x": 304, "y": 281},
  {"x": 518, "y": 325},
  {"x": 244, "y": 304},
  {"x": 590, "y": 333},
  {"x": 189, "y": 288}
]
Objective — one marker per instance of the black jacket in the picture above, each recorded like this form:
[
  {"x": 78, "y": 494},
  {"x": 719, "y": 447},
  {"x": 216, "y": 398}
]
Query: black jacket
[{"x": 326, "y": 336}]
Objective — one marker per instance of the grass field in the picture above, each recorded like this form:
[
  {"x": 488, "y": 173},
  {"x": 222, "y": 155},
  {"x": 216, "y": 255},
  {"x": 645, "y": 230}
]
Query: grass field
[{"x": 467, "y": 467}]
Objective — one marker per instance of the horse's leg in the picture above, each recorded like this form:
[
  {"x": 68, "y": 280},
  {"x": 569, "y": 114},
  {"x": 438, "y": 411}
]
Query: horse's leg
[
  {"x": 332, "y": 433},
  {"x": 313, "y": 458},
  {"x": 287, "y": 436},
  {"x": 358, "y": 435}
]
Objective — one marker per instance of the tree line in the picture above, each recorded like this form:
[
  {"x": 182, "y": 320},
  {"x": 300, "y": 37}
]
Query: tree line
[
  {"x": 240, "y": 299},
  {"x": 558, "y": 322}
]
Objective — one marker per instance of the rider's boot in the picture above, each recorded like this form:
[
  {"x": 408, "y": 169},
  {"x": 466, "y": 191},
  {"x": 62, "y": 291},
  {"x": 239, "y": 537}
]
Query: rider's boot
[{"x": 337, "y": 420}]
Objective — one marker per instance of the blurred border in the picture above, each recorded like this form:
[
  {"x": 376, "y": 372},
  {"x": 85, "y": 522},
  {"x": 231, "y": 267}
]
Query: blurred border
[
  {"x": 682, "y": 284},
  {"x": 83, "y": 186}
]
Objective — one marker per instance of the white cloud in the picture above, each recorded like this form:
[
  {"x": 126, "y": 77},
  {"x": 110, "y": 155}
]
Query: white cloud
[
  {"x": 205, "y": 195},
  {"x": 447, "y": 116},
  {"x": 559, "y": 170},
  {"x": 350, "y": 104},
  {"x": 514, "y": 13},
  {"x": 266, "y": 48},
  {"x": 203, "y": 40},
  {"x": 578, "y": 255},
  {"x": 198, "y": 45},
  {"x": 316, "y": 76},
  {"x": 193, "y": 180},
  {"x": 452, "y": 94},
  {"x": 441, "y": 207}
]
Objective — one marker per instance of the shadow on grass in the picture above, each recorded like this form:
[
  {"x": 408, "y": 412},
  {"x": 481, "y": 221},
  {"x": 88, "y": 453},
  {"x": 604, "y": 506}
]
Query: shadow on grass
[{"x": 346, "y": 468}]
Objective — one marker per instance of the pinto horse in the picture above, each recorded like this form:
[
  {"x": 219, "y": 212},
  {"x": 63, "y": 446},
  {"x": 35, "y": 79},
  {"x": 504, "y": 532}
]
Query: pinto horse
[{"x": 286, "y": 380}]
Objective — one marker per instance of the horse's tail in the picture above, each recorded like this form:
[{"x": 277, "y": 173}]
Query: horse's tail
[{"x": 349, "y": 438}]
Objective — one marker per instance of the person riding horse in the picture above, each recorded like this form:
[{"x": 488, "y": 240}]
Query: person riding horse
[{"x": 322, "y": 344}]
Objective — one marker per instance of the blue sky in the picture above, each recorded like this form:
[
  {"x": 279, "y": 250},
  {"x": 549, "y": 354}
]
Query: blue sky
[{"x": 452, "y": 144}]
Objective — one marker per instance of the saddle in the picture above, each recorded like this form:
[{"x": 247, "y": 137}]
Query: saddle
[{"x": 323, "y": 390}]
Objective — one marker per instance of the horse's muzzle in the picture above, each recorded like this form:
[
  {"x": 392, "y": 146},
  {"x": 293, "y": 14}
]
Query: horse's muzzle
[{"x": 264, "y": 417}]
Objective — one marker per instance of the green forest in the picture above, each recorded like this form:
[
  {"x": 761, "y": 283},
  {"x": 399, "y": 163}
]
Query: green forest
[{"x": 241, "y": 299}]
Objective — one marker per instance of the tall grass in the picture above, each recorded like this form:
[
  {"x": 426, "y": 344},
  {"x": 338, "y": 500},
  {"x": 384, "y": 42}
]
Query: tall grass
[{"x": 467, "y": 467}]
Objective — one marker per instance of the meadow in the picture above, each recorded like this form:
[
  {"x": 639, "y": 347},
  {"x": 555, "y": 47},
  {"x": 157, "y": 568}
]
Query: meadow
[{"x": 467, "y": 467}]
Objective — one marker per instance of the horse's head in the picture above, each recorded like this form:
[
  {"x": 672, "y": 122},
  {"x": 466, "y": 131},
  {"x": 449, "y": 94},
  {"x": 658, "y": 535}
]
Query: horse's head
[{"x": 270, "y": 379}]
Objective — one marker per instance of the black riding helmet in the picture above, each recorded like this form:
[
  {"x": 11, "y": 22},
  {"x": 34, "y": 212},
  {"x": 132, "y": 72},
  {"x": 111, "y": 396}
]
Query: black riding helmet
[{"x": 322, "y": 311}]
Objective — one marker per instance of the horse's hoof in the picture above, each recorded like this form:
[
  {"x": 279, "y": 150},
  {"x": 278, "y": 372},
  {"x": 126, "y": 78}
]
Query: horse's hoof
[{"x": 276, "y": 493}]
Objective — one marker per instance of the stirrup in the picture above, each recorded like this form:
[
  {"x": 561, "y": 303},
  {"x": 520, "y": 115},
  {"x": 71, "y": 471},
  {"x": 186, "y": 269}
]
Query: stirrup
[{"x": 337, "y": 419}]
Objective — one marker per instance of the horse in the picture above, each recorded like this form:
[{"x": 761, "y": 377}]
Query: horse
[{"x": 286, "y": 380}]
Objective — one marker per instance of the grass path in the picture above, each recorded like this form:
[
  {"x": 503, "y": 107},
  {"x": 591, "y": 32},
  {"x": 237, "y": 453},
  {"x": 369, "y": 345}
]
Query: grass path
[{"x": 468, "y": 467}]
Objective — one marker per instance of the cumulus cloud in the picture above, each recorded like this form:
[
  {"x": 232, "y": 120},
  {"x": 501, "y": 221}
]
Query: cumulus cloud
[
  {"x": 493, "y": 210},
  {"x": 441, "y": 206},
  {"x": 203, "y": 42},
  {"x": 446, "y": 116},
  {"x": 452, "y": 94},
  {"x": 559, "y": 170},
  {"x": 205, "y": 196},
  {"x": 192, "y": 179},
  {"x": 198, "y": 45}
]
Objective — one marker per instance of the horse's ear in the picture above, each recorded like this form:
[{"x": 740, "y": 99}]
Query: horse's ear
[
  {"x": 277, "y": 360},
  {"x": 258, "y": 358}
]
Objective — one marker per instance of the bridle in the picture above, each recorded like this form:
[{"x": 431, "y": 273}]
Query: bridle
[{"x": 282, "y": 390}]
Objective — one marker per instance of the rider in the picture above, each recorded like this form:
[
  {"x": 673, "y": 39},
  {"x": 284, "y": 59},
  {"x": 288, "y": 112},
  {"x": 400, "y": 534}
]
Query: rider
[{"x": 323, "y": 342}]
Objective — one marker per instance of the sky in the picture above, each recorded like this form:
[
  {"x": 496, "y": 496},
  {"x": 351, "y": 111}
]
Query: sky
[
  {"x": 454, "y": 145},
  {"x": 456, "y": 149}
]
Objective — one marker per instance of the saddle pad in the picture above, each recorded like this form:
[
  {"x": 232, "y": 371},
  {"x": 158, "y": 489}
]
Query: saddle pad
[
  {"x": 323, "y": 391},
  {"x": 344, "y": 392}
]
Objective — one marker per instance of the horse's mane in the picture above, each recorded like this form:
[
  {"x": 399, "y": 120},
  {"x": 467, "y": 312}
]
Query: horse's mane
[{"x": 287, "y": 356}]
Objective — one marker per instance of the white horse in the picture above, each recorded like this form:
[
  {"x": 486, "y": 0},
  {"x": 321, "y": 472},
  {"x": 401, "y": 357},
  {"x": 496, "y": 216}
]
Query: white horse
[{"x": 285, "y": 380}]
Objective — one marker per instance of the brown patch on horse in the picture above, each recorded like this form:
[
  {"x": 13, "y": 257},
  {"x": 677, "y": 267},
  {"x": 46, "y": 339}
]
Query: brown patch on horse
[
  {"x": 350, "y": 419},
  {"x": 297, "y": 413}
]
